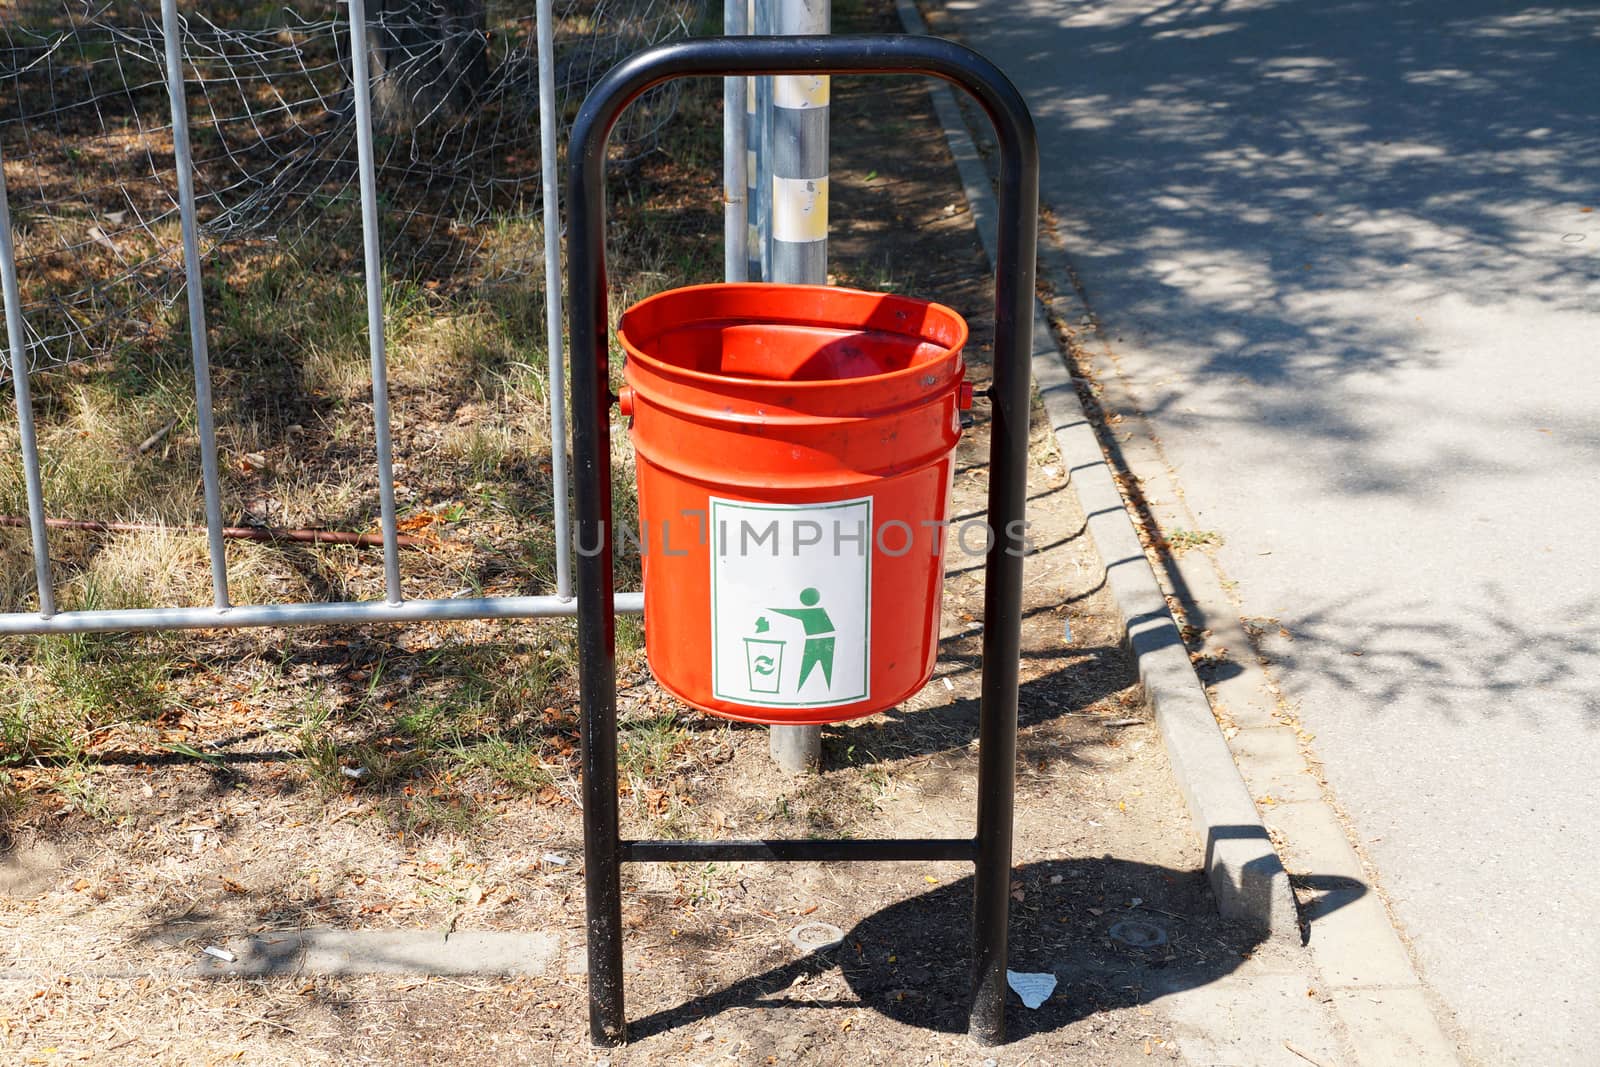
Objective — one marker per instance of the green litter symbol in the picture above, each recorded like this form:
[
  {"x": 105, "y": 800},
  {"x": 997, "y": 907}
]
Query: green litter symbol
[
  {"x": 764, "y": 657},
  {"x": 819, "y": 646}
]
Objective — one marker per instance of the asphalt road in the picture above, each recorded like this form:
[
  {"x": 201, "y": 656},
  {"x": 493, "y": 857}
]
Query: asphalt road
[{"x": 1344, "y": 255}]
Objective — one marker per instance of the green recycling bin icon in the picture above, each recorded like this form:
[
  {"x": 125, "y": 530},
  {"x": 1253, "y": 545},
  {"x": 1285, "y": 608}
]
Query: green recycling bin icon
[{"x": 764, "y": 659}]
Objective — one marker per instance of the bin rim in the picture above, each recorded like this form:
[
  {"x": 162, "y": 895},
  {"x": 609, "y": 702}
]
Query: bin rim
[{"x": 673, "y": 370}]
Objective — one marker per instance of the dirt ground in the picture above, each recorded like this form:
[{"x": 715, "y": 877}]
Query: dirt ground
[{"x": 103, "y": 921}]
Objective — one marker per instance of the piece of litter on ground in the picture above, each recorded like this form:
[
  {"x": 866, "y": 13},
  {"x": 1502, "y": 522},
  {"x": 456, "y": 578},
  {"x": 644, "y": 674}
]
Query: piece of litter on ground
[
  {"x": 1067, "y": 626},
  {"x": 357, "y": 773},
  {"x": 947, "y": 684},
  {"x": 217, "y": 952},
  {"x": 816, "y": 936},
  {"x": 553, "y": 859},
  {"x": 1033, "y": 987}
]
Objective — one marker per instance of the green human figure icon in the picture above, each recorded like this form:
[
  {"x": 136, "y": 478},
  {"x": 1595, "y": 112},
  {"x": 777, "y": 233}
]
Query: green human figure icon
[{"x": 818, "y": 650}]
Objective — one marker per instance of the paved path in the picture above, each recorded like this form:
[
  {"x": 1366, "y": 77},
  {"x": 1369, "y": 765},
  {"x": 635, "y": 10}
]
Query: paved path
[{"x": 1340, "y": 253}]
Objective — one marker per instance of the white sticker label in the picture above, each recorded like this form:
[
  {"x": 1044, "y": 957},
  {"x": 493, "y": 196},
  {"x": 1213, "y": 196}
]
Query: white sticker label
[{"x": 791, "y": 602}]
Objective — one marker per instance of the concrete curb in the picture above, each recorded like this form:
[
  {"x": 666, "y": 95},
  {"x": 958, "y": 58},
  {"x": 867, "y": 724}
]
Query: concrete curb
[{"x": 1245, "y": 872}]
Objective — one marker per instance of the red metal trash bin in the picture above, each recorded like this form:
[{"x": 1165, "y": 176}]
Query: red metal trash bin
[{"x": 794, "y": 451}]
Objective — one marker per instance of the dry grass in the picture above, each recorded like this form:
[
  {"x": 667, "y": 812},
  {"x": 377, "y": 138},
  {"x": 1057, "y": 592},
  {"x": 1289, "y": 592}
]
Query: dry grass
[{"x": 434, "y": 718}]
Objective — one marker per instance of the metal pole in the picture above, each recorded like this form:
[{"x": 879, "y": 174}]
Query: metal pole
[
  {"x": 1018, "y": 189},
  {"x": 797, "y": 241},
  {"x": 763, "y": 22},
  {"x": 361, "y": 77},
  {"x": 346, "y": 613},
  {"x": 1010, "y": 396},
  {"x": 735, "y": 182},
  {"x": 752, "y": 166},
  {"x": 183, "y": 163},
  {"x": 548, "y": 177},
  {"x": 804, "y": 850},
  {"x": 799, "y": 168},
  {"x": 752, "y": 160},
  {"x": 17, "y": 337},
  {"x": 597, "y": 634}
]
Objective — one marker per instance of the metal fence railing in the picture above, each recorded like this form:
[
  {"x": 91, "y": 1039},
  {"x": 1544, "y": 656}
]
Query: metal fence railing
[{"x": 223, "y": 612}]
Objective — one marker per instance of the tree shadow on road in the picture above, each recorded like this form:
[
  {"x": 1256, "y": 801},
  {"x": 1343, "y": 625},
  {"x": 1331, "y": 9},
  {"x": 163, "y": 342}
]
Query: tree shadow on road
[{"x": 1250, "y": 191}]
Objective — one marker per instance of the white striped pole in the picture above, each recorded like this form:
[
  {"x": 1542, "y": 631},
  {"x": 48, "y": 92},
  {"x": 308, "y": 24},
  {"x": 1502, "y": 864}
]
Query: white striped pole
[
  {"x": 752, "y": 171},
  {"x": 799, "y": 236},
  {"x": 796, "y": 238}
]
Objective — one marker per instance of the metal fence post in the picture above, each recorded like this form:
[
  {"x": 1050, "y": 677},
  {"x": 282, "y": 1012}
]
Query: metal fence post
[
  {"x": 27, "y": 439},
  {"x": 762, "y": 21},
  {"x": 735, "y": 140},
  {"x": 545, "y": 18},
  {"x": 370, "y": 233},
  {"x": 183, "y": 163}
]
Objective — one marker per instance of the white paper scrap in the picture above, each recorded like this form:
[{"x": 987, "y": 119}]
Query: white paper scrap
[{"x": 1034, "y": 989}]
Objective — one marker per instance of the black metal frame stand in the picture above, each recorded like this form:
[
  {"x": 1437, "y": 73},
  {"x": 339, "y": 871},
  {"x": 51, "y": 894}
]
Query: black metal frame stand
[{"x": 990, "y": 847}]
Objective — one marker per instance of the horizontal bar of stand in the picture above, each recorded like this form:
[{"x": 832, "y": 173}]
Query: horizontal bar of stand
[
  {"x": 804, "y": 850},
  {"x": 347, "y": 613}
]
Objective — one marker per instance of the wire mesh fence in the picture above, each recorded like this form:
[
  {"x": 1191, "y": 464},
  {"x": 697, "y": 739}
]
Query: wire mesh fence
[
  {"x": 86, "y": 132},
  {"x": 147, "y": 152}
]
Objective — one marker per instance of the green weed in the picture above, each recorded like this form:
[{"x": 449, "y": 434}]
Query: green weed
[
  {"x": 79, "y": 789},
  {"x": 650, "y": 746},
  {"x": 1182, "y": 540}
]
